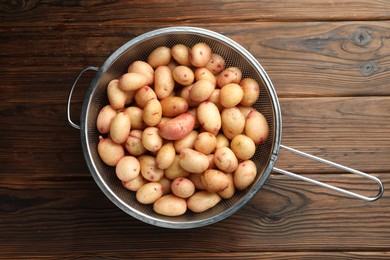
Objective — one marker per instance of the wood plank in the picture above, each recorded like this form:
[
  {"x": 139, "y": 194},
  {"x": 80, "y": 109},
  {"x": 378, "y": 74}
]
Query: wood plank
[
  {"x": 114, "y": 12},
  {"x": 73, "y": 217}
]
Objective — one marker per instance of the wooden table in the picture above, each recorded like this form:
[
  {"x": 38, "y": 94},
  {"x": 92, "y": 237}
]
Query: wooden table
[{"x": 330, "y": 64}]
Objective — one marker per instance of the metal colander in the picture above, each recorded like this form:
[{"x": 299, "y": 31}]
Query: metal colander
[{"x": 138, "y": 49}]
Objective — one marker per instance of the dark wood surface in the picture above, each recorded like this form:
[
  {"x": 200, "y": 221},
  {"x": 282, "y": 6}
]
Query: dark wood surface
[{"x": 330, "y": 64}]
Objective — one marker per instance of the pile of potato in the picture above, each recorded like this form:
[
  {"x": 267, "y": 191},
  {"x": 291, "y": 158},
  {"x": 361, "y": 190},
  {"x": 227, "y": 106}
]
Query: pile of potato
[{"x": 180, "y": 129}]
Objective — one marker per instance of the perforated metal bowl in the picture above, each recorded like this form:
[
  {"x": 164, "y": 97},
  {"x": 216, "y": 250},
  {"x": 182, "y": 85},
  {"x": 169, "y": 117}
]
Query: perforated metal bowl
[{"x": 138, "y": 49}]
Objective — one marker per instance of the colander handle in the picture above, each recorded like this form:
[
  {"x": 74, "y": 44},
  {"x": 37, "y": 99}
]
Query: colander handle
[
  {"x": 71, "y": 92},
  {"x": 336, "y": 165}
]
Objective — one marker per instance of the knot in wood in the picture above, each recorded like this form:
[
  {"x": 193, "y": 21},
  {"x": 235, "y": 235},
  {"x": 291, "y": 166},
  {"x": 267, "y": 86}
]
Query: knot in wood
[
  {"x": 361, "y": 37},
  {"x": 368, "y": 68},
  {"x": 16, "y": 6}
]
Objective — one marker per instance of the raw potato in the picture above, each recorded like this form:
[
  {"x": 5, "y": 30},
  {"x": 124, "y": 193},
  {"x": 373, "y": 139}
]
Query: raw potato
[
  {"x": 203, "y": 73},
  {"x": 230, "y": 190},
  {"x": 106, "y": 114},
  {"x": 159, "y": 57},
  {"x": 144, "y": 68},
  {"x": 201, "y": 90},
  {"x": 202, "y": 201},
  {"x": 256, "y": 127},
  {"x": 166, "y": 184},
  {"x": 127, "y": 168},
  {"x": 192, "y": 111},
  {"x": 152, "y": 112},
  {"x": 149, "y": 168},
  {"x": 205, "y": 143},
  {"x": 193, "y": 161},
  {"x": 120, "y": 128},
  {"x": 243, "y": 147},
  {"x": 183, "y": 75},
  {"x": 132, "y": 81},
  {"x": 185, "y": 93},
  {"x": 185, "y": 142},
  {"x": 245, "y": 110},
  {"x": 175, "y": 170},
  {"x": 214, "y": 180},
  {"x": 181, "y": 54},
  {"x": 143, "y": 95},
  {"x": 200, "y": 54},
  {"x": 211, "y": 161},
  {"x": 170, "y": 205},
  {"x": 229, "y": 75},
  {"x": 134, "y": 143},
  {"x": 215, "y": 98},
  {"x": 164, "y": 82},
  {"x": 165, "y": 156},
  {"x": 149, "y": 193},
  {"x": 245, "y": 174},
  {"x": 196, "y": 180},
  {"x": 177, "y": 127},
  {"x": 222, "y": 141},
  {"x": 233, "y": 122},
  {"x": 151, "y": 140},
  {"x": 134, "y": 184},
  {"x": 231, "y": 95},
  {"x": 216, "y": 64},
  {"x": 182, "y": 187},
  {"x": 251, "y": 91},
  {"x": 116, "y": 96},
  {"x": 173, "y": 106},
  {"x": 135, "y": 115},
  {"x": 109, "y": 151},
  {"x": 209, "y": 117},
  {"x": 225, "y": 159}
]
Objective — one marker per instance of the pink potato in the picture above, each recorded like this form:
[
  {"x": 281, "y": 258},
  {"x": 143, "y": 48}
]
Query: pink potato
[{"x": 177, "y": 127}]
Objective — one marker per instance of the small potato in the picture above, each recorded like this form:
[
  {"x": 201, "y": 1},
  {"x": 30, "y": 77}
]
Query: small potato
[
  {"x": 202, "y": 201},
  {"x": 177, "y": 127},
  {"x": 151, "y": 140},
  {"x": 183, "y": 75},
  {"x": 134, "y": 184},
  {"x": 214, "y": 97},
  {"x": 116, "y": 96},
  {"x": 166, "y": 184},
  {"x": 205, "y": 143},
  {"x": 143, "y": 95},
  {"x": 193, "y": 161},
  {"x": 144, "y": 68},
  {"x": 243, "y": 147},
  {"x": 203, "y": 73},
  {"x": 200, "y": 54},
  {"x": 251, "y": 91},
  {"x": 222, "y": 141},
  {"x": 214, "y": 180},
  {"x": 245, "y": 110},
  {"x": 245, "y": 174},
  {"x": 201, "y": 90},
  {"x": 160, "y": 56},
  {"x": 230, "y": 190},
  {"x": 231, "y": 95},
  {"x": 196, "y": 180},
  {"x": 185, "y": 142},
  {"x": 149, "y": 168},
  {"x": 165, "y": 156},
  {"x": 149, "y": 193},
  {"x": 127, "y": 168},
  {"x": 225, "y": 159},
  {"x": 229, "y": 75},
  {"x": 170, "y": 205},
  {"x": 152, "y": 112},
  {"x": 109, "y": 151},
  {"x": 175, "y": 170},
  {"x": 120, "y": 128},
  {"x": 106, "y": 114},
  {"x": 164, "y": 82},
  {"x": 134, "y": 143},
  {"x": 173, "y": 106},
  {"x": 233, "y": 122},
  {"x": 256, "y": 127},
  {"x": 181, "y": 54},
  {"x": 132, "y": 81},
  {"x": 135, "y": 115},
  {"x": 182, "y": 187},
  {"x": 216, "y": 64},
  {"x": 209, "y": 117},
  {"x": 185, "y": 93}
]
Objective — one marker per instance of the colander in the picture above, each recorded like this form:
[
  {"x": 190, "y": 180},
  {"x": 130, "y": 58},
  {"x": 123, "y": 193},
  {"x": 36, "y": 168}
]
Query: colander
[{"x": 264, "y": 158}]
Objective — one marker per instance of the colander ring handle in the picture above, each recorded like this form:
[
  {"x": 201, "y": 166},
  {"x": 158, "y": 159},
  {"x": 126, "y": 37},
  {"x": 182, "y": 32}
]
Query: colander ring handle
[
  {"x": 336, "y": 165},
  {"x": 71, "y": 92}
]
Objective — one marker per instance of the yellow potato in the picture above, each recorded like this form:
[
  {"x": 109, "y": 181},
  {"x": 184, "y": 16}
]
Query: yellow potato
[
  {"x": 245, "y": 110},
  {"x": 182, "y": 187},
  {"x": 225, "y": 159},
  {"x": 152, "y": 112},
  {"x": 216, "y": 63},
  {"x": 149, "y": 193},
  {"x": 229, "y": 75},
  {"x": 214, "y": 180},
  {"x": 233, "y": 122},
  {"x": 120, "y": 128},
  {"x": 166, "y": 184},
  {"x": 245, "y": 174},
  {"x": 149, "y": 168},
  {"x": 143, "y": 95},
  {"x": 209, "y": 117},
  {"x": 165, "y": 156},
  {"x": 164, "y": 82},
  {"x": 175, "y": 170},
  {"x": 203, "y": 73},
  {"x": 173, "y": 106},
  {"x": 200, "y": 54},
  {"x": 183, "y": 75},
  {"x": 160, "y": 56},
  {"x": 243, "y": 147},
  {"x": 215, "y": 98},
  {"x": 181, "y": 54},
  {"x": 202, "y": 201},
  {"x": 132, "y": 81},
  {"x": 134, "y": 184},
  {"x": 201, "y": 90},
  {"x": 205, "y": 143},
  {"x": 193, "y": 161},
  {"x": 185, "y": 93},
  {"x": 135, "y": 115},
  {"x": 251, "y": 91},
  {"x": 116, "y": 96},
  {"x": 222, "y": 141},
  {"x": 256, "y": 127},
  {"x": 230, "y": 190},
  {"x": 151, "y": 140},
  {"x": 185, "y": 142},
  {"x": 231, "y": 95},
  {"x": 106, "y": 114},
  {"x": 144, "y": 68},
  {"x": 170, "y": 205},
  {"x": 109, "y": 151},
  {"x": 134, "y": 143},
  {"x": 127, "y": 168},
  {"x": 177, "y": 127}
]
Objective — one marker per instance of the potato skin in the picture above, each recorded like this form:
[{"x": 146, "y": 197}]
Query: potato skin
[
  {"x": 170, "y": 205},
  {"x": 106, "y": 114},
  {"x": 225, "y": 159},
  {"x": 127, "y": 168},
  {"x": 256, "y": 127},
  {"x": 116, "y": 96},
  {"x": 149, "y": 168},
  {"x": 165, "y": 156},
  {"x": 193, "y": 161},
  {"x": 164, "y": 82},
  {"x": 209, "y": 117},
  {"x": 152, "y": 112},
  {"x": 149, "y": 193},
  {"x": 151, "y": 140},
  {"x": 243, "y": 147},
  {"x": 177, "y": 127},
  {"x": 202, "y": 201},
  {"x": 251, "y": 91},
  {"x": 132, "y": 81},
  {"x": 214, "y": 180},
  {"x": 182, "y": 187},
  {"x": 233, "y": 122},
  {"x": 181, "y": 54},
  {"x": 201, "y": 90},
  {"x": 173, "y": 106},
  {"x": 231, "y": 95},
  {"x": 120, "y": 128},
  {"x": 216, "y": 63},
  {"x": 200, "y": 54},
  {"x": 144, "y": 68},
  {"x": 183, "y": 75},
  {"x": 109, "y": 151},
  {"x": 160, "y": 56},
  {"x": 245, "y": 174}
]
